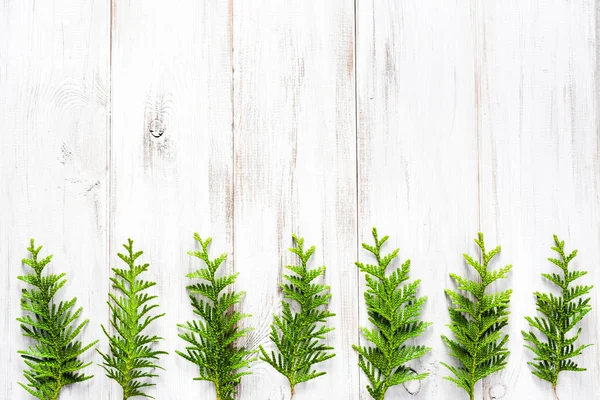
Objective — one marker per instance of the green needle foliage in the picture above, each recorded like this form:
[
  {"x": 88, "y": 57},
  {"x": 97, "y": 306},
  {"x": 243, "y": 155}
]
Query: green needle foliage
[
  {"x": 394, "y": 310},
  {"x": 562, "y": 313},
  {"x": 53, "y": 360},
  {"x": 477, "y": 320},
  {"x": 211, "y": 339},
  {"x": 298, "y": 335},
  {"x": 132, "y": 357}
]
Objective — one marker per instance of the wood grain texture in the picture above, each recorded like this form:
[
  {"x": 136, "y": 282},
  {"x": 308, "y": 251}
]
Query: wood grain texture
[
  {"x": 54, "y": 87},
  {"x": 539, "y": 166},
  {"x": 295, "y": 171},
  {"x": 417, "y": 155},
  {"x": 171, "y": 155},
  {"x": 250, "y": 121}
]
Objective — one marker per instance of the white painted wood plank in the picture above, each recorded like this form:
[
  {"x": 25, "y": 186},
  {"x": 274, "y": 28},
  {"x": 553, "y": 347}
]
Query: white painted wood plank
[
  {"x": 418, "y": 156},
  {"x": 53, "y": 129},
  {"x": 539, "y": 166},
  {"x": 171, "y": 155},
  {"x": 295, "y": 171}
]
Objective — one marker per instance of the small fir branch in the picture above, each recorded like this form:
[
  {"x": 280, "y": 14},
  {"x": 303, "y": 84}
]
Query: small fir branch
[
  {"x": 394, "y": 310},
  {"x": 477, "y": 319},
  {"x": 562, "y": 313},
  {"x": 131, "y": 357},
  {"x": 211, "y": 340},
  {"x": 53, "y": 360},
  {"x": 299, "y": 335}
]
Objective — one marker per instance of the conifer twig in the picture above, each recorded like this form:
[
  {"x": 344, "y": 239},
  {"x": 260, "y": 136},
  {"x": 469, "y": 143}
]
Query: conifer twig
[
  {"x": 211, "y": 340},
  {"x": 53, "y": 360},
  {"x": 477, "y": 319},
  {"x": 298, "y": 336},
  {"x": 394, "y": 310},
  {"x": 561, "y": 315},
  {"x": 131, "y": 356}
]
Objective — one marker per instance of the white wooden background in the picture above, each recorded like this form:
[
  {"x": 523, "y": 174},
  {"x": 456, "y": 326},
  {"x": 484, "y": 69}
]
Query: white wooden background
[{"x": 428, "y": 119}]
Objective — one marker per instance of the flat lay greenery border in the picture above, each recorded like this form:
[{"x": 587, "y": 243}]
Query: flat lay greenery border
[{"x": 53, "y": 360}]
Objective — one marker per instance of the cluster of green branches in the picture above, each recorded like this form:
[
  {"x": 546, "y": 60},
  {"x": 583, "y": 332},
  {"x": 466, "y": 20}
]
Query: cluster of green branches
[
  {"x": 53, "y": 360},
  {"x": 298, "y": 335},
  {"x": 211, "y": 339},
  {"x": 477, "y": 320},
  {"x": 131, "y": 358},
  {"x": 562, "y": 313},
  {"x": 394, "y": 310}
]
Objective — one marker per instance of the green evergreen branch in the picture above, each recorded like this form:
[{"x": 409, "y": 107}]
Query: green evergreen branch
[
  {"x": 476, "y": 319},
  {"x": 211, "y": 339},
  {"x": 298, "y": 336},
  {"x": 53, "y": 360},
  {"x": 131, "y": 356},
  {"x": 394, "y": 310},
  {"x": 562, "y": 313}
]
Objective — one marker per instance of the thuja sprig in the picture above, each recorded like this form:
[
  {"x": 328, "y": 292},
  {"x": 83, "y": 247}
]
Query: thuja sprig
[
  {"x": 394, "y": 310},
  {"x": 298, "y": 335},
  {"x": 562, "y": 313},
  {"x": 53, "y": 360},
  {"x": 131, "y": 357},
  {"x": 477, "y": 319},
  {"x": 211, "y": 340}
]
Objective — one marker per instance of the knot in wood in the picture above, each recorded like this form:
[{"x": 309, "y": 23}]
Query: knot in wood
[
  {"x": 412, "y": 387},
  {"x": 497, "y": 391},
  {"x": 156, "y": 127}
]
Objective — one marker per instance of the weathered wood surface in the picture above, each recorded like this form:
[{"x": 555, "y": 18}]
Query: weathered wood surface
[
  {"x": 295, "y": 170},
  {"x": 250, "y": 121},
  {"x": 417, "y": 154},
  {"x": 537, "y": 88},
  {"x": 171, "y": 168},
  {"x": 54, "y": 110}
]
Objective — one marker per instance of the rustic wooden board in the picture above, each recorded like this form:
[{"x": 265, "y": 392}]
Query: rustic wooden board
[
  {"x": 539, "y": 165},
  {"x": 54, "y": 103},
  {"x": 418, "y": 154},
  {"x": 172, "y": 154},
  {"x": 250, "y": 121},
  {"x": 294, "y": 134}
]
